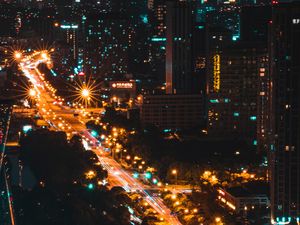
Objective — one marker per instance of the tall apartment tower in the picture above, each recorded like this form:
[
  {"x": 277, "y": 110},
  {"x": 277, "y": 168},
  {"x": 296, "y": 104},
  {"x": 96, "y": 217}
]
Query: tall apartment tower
[
  {"x": 285, "y": 123},
  {"x": 179, "y": 21}
]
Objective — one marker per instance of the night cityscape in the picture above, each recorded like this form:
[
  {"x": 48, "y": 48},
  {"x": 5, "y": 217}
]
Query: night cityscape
[{"x": 149, "y": 112}]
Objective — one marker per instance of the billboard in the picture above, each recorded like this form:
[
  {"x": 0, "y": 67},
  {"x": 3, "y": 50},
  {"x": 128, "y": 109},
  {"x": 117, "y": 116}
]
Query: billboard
[{"x": 122, "y": 85}]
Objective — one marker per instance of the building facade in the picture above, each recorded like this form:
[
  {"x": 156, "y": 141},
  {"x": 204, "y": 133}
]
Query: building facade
[
  {"x": 179, "y": 20},
  {"x": 285, "y": 121},
  {"x": 234, "y": 91},
  {"x": 172, "y": 111}
]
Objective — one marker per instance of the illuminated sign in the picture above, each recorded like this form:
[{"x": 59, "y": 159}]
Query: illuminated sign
[
  {"x": 217, "y": 73},
  {"x": 122, "y": 85},
  {"x": 72, "y": 26}
]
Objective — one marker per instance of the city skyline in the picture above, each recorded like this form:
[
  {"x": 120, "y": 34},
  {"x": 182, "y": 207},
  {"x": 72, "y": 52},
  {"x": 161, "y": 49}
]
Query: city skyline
[{"x": 149, "y": 112}]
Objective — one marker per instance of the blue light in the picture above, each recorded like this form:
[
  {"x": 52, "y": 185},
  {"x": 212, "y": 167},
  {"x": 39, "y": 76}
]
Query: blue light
[
  {"x": 53, "y": 73},
  {"x": 214, "y": 101},
  {"x": 27, "y": 128},
  {"x": 94, "y": 133},
  {"x": 144, "y": 18},
  {"x": 148, "y": 175},
  {"x": 90, "y": 186},
  {"x": 156, "y": 39},
  {"x": 76, "y": 70},
  {"x": 235, "y": 37}
]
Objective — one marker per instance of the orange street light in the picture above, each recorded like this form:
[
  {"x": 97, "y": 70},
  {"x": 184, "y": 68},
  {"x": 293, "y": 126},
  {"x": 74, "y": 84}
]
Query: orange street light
[
  {"x": 17, "y": 55},
  {"x": 32, "y": 92}
]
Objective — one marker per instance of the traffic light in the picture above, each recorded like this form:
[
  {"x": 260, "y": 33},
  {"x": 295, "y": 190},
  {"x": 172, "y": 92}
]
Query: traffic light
[{"x": 135, "y": 175}]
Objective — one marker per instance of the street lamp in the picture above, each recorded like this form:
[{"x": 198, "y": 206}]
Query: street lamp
[
  {"x": 17, "y": 55},
  {"x": 44, "y": 55},
  {"x": 32, "y": 93},
  {"x": 218, "y": 221},
  {"x": 85, "y": 93},
  {"x": 174, "y": 172}
]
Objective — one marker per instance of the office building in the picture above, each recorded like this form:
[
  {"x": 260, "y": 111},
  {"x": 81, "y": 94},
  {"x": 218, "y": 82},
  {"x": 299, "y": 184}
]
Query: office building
[
  {"x": 179, "y": 20},
  {"x": 285, "y": 116},
  {"x": 233, "y": 90}
]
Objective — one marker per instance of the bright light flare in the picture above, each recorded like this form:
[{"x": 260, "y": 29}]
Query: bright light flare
[
  {"x": 44, "y": 55},
  {"x": 85, "y": 92},
  {"x": 32, "y": 92},
  {"x": 17, "y": 55}
]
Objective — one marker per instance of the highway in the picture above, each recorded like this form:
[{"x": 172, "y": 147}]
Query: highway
[{"x": 61, "y": 117}]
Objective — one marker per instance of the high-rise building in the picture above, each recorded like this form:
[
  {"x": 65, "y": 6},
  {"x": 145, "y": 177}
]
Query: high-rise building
[
  {"x": 285, "y": 116},
  {"x": 71, "y": 34},
  {"x": 157, "y": 56},
  {"x": 179, "y": 20},
  {"x": 233, "y": 90}
]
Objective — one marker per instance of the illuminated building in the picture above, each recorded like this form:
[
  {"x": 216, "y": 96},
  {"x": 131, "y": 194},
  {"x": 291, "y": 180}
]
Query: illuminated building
[
  {"x": 122, "y": 90},
  {"x": 71, "y": 31},
  {"x": 157, "y": 56},
  {"x": 233, "y": 90},
  {"x": 238, "y": 199},
  {"x": 285, "y": 116},
  {"x": 226, "y": 16}
]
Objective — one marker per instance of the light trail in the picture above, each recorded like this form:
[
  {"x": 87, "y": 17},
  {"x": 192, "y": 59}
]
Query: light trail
[{"x": 65, "y": 121}]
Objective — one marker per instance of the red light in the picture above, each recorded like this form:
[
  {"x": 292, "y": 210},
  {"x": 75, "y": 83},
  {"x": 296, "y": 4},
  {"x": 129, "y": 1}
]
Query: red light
[
  {"x": 274, "y": 2},
  {"x": 81, "y": 74}
]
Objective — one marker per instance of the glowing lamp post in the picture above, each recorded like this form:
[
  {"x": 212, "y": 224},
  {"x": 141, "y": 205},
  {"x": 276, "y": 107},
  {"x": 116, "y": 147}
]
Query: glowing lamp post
[
  {"x": 174, "y": 172},
  {"x": 32, "y": 93},
  {"x": 85, "y": 93},
  {"x": 17, "y": 55}
]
